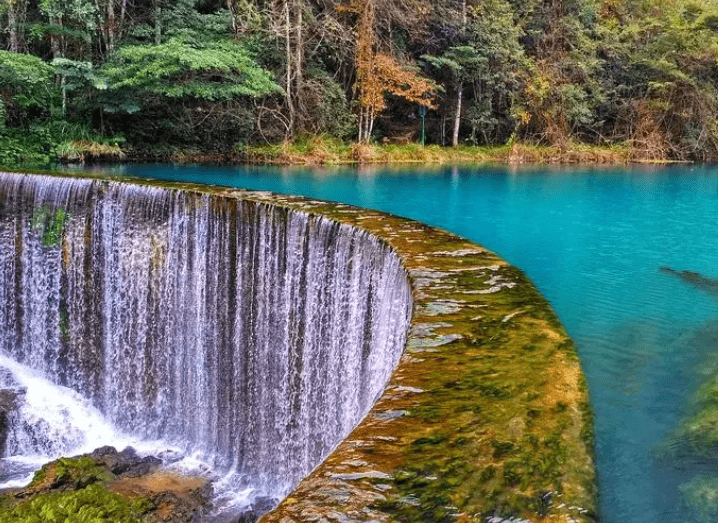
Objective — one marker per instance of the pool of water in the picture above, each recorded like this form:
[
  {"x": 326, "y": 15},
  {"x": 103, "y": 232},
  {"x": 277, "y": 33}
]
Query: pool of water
[{"x": 593, "y": 241}]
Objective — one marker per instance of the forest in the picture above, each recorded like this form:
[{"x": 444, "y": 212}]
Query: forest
[{"x": 159, "y": 78}]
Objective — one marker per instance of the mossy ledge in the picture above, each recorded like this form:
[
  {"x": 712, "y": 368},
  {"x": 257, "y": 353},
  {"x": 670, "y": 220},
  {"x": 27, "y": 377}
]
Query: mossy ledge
[
  {"x": 485, "y": 419},
  {"x": 106, "y": 486}
]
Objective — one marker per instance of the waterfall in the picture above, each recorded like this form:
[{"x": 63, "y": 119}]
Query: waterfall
[{"x": 251, "y": 337}]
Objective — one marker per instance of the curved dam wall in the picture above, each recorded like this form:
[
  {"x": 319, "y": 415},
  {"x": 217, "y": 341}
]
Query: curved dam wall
[
  {"x": 485, "y": 417},
  {"x": 252, "y": 336}
]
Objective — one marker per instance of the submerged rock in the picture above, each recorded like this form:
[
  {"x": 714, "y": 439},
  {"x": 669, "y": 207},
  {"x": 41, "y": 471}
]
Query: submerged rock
[
  {"x": 701, "y": 496},
  {"x": 694, "y": 279}
]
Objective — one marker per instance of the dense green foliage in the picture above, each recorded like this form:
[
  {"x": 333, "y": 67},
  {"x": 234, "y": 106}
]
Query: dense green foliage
[
  {"x": 208, "y": 75},
  {"x": 71, "y": 490},
  {"x": 87, "y": 505}
]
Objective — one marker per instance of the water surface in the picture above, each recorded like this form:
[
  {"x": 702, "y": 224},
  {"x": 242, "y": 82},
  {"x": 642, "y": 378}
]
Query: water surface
[{"x": 593, "y": 241}]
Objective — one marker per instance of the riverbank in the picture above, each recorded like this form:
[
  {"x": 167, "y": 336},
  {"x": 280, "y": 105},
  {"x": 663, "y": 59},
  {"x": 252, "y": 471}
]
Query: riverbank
[
  {"x": 319, "y": 150},
  {"x": 323, "y": 150}
]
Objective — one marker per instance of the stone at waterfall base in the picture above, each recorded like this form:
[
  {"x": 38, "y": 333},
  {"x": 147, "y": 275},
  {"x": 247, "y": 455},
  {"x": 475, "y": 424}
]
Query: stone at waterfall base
[{"x": 108, "y": 485}]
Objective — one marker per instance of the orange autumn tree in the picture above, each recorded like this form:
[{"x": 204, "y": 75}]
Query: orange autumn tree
[{"x": 378, "y": 74}]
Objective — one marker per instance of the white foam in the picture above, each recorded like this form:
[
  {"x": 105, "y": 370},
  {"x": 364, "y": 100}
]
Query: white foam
[{"x": 54, "y": 421}]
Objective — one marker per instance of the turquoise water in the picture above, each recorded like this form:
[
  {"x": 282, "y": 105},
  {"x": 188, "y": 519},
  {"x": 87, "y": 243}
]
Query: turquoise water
[{"x": 593, "y": 242}]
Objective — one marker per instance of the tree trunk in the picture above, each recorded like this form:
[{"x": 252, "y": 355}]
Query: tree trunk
[
  {"x": 13, "y": 28},
  {"x": 16, "y": 18},
  {"x": 111, "y": 25},
  {"x": 64, "y": 96},
  {"x": 56, "y": 41},
  {"x": 158, "y": 22},
  {"x": 298, "y": 53},
  {"x": 457, "y": 116},
  {"x": 230, "y": 8},
  {"x": 364, "y": 64},
  {"x": 459, "y": 88},
  {"x": 288, "y": 38},
  {"x": 123, "y": 12}
]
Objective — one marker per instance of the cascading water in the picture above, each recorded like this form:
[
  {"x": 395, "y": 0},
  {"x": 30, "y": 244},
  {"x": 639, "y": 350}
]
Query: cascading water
[{"x": 247, "y": 336}]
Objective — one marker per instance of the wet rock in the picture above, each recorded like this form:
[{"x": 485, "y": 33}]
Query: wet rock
[
  {"x": 10, "y": 399},
  {"x": 369, "y": 474},
  {"x": 125, "y": 463},
  {"x": 389, "y": 415},
  {"x": 260, "y": 506},
  {"x": 174, "y": 498}
]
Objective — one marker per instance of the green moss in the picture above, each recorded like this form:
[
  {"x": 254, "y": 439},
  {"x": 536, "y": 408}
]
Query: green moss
[
  {"x": 696, "y": 435},
  {"x": 502, "y": 448},
  {"x": 70, "y": 472},
  {"x": 92, "y": 504},
  {"x": 587, "y": 430},
  {"x": 434, "y": 438},
  {"x": 50, "y": 224}
]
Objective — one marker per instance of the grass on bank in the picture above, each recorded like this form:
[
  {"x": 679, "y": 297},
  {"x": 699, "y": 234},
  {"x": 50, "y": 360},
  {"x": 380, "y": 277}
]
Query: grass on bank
[
  {"x": 57, "y": 141},
  {"x": 323, "y": 150},
  {"x": 78, "y": 151},
  {"x": 25, "y": 152}
]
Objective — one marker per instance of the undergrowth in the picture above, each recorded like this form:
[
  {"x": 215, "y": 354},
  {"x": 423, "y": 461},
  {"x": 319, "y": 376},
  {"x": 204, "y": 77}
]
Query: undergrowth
[{"x": 325, "y": 150}]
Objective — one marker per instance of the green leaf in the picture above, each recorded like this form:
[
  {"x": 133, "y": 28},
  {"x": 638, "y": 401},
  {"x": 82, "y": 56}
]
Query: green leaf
[{"x": 177, "y": 69}]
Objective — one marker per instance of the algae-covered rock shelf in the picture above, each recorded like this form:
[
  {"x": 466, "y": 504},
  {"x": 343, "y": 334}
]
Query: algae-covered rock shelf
[{"x": 485, "y": 416}]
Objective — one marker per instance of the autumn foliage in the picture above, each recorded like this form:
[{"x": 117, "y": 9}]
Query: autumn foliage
[{"x": 378, "y": 74}]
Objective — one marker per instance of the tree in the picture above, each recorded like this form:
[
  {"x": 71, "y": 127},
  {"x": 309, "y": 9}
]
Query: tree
[
  {"x": 176, "y": 69},
  {"x": 477, "y": 59},
  {"x": 462, "y": 62},
  {"x": 16, "y": 11},
  {"x": 75, "y": 75},
  {"x": 26, "y": 87},
  {"x": 659, "y": 74},
  {"x": 185, "y": 90},
  {"x": 378, "y": 73},
  {"x": 71, "y": 26}
]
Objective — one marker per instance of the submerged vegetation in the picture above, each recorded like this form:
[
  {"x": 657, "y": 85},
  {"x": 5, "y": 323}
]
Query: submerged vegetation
[{"x": 223, "y": 78}]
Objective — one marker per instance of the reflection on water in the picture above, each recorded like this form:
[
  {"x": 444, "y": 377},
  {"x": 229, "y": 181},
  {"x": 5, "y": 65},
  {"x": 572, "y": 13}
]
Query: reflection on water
[{"x": 593, "y": 241}]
